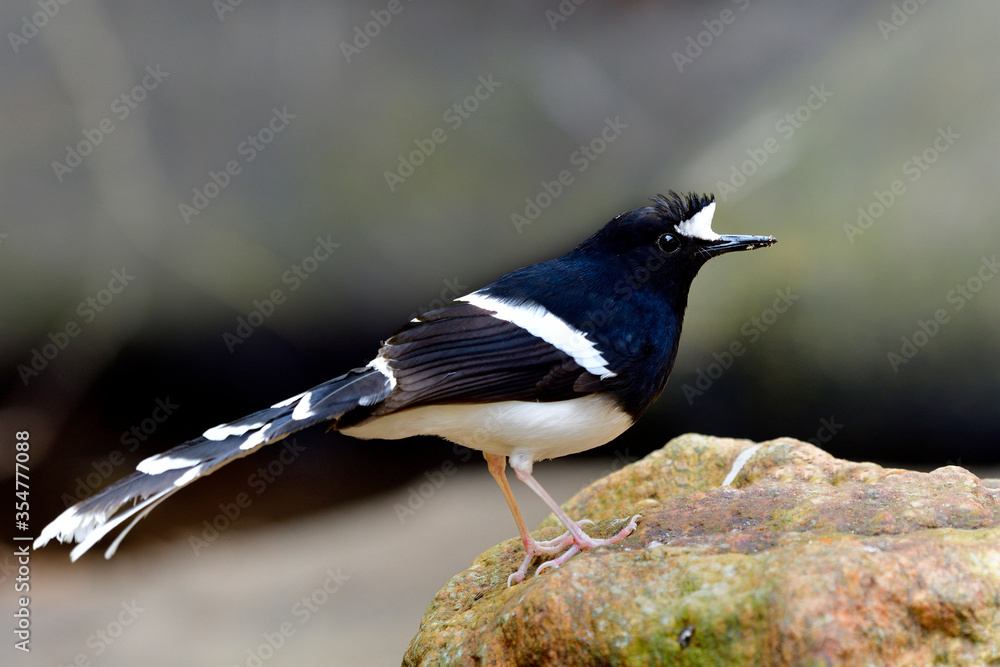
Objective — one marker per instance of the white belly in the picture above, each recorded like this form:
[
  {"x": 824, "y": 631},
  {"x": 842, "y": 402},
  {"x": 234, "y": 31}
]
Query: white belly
[{"x": 536, "y": 431}]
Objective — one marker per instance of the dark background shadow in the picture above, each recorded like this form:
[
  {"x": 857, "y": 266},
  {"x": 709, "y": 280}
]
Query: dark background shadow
[{"x": 145, "y": 237}]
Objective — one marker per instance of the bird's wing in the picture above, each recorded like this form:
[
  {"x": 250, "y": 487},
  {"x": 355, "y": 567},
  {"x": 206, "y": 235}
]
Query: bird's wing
[
  {"x": 459, "y": 353},
  {"x": 464, "y": 353}
]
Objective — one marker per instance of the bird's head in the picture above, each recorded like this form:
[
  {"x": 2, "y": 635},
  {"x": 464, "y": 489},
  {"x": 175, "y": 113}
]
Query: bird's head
[{"x": 673, "y": 237}]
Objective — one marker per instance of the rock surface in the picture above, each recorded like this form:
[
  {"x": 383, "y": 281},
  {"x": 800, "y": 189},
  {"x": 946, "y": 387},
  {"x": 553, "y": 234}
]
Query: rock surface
[{"x": 804, "y": 560}]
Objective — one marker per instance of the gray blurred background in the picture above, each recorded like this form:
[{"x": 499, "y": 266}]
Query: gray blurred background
[{"x": 150, "y": 293}]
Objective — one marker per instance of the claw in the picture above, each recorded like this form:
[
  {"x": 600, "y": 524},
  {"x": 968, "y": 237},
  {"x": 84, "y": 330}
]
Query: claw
[
  {"x": 536, "y": 548},
  {"x": 553, "y": 546},
  {"x": 518, "y": 576},
  {"x": 573, "y": 544},
  {"x": 556, "y": 562}
]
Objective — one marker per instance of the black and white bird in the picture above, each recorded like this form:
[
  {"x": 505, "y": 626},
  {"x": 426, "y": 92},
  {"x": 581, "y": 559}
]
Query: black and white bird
[{"x": 549, "y": 360}]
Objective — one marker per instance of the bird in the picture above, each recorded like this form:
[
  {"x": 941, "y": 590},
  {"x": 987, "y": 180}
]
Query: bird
[{"x": 549, "y": 360}]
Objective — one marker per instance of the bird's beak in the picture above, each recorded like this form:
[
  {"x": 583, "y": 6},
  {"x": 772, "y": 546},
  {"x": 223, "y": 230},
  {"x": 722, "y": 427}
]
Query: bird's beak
[{"x": 729, "y": 243}]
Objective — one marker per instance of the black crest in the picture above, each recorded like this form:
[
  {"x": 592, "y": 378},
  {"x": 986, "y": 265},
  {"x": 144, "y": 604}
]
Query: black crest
[{"x": 679, "y": 208}]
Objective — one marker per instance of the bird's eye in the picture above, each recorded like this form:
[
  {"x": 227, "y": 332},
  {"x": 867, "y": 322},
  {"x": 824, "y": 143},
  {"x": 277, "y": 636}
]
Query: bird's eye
[{"x": 668, "y": 244}]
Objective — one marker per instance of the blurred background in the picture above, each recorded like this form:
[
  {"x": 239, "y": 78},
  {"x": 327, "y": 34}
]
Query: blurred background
[{"x": 211, "y": 206}]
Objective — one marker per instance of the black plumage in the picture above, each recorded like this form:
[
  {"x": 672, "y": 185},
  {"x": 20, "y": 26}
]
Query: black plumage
[{"x": 549, "y": 359}]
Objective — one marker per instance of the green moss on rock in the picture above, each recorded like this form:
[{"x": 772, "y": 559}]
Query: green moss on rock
[{"x": 805, "y": 559}]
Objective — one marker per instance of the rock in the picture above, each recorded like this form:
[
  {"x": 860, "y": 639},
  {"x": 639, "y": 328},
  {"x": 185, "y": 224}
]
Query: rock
[{"x": 805, "y": 560}]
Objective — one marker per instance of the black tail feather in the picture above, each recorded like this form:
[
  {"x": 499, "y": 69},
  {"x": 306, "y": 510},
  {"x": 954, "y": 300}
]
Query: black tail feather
[{"x": 160, "y": 476}]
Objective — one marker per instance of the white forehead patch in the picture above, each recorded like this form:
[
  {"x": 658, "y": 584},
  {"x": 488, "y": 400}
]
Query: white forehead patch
[{"x": 700, "y": 225}]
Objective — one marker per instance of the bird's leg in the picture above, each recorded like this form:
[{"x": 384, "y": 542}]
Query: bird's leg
[
  {"x": 572, "y": 541},
  {"x": 580, "y": 539},
  {"x": 532, "y": 547}
]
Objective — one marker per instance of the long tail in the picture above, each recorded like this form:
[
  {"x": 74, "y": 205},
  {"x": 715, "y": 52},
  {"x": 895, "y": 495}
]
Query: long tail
[{"x": 160, "y": 476}]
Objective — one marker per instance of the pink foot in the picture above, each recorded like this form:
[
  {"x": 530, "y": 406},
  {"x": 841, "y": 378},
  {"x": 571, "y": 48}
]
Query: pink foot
[
  {"x": 575, "y": 545},
  {"x": 545, "y": 548}
]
